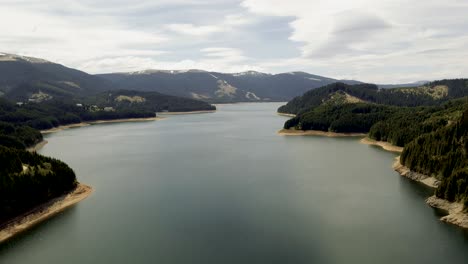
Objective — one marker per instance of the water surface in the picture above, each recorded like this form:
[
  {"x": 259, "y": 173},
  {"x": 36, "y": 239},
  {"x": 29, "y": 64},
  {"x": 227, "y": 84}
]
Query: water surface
[{"x": 225, "y": 188}]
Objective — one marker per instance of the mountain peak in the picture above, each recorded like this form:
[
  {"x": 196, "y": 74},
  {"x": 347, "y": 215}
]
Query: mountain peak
[
  {"x": 14, "y": 57},
  {"x": 153, "y": 71},
  {"x": 251, "y": 73}
]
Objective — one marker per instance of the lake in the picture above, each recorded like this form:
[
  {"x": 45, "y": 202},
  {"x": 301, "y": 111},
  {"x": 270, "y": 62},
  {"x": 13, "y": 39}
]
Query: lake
[{"x": 225, "y": 188}]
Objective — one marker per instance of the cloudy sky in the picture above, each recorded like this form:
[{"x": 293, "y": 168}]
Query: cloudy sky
[{"x": 384, "y": 41}]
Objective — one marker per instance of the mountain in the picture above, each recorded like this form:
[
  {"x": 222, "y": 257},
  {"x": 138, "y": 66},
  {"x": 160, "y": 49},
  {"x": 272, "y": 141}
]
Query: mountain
[
  {"x": 31, "y": 79},
  {"x": 338, "y": 93},
  {"x": 26, "y": 79},
  {"x": 250, "y": 86}
]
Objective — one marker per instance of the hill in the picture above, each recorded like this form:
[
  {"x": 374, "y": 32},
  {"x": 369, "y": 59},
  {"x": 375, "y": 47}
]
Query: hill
[
  {"x": 148, "y": 101},
  {"x": 28, "y": 179},
  {"x": 218, "y": 87},
  {"x": 433, "y": 93},
  {"x": 442, "y": 153},
  {"x": 30, "y": 79}
]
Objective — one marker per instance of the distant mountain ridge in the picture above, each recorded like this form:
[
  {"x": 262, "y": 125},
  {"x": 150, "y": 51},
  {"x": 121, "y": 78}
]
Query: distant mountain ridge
[
  {"x": 24, "y": 78},
  {"x": 31, "y": 79},
  {"x": 220, "y": 87},
  {"x": 249, "y": 86}
]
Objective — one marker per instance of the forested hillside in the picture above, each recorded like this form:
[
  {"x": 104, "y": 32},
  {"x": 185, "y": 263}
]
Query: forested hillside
[
  {"x": 18, "y": 123},
  {"x": 29, "y": 179},
  {"x": 346, "y": 118},
  {"x": 409, "y": 122},
  {"x": 433, "y": 93},
  {"x": 396, "y": 125},
  {"x": 443, "y": 154},
  {"x": 147, "y": 101}
]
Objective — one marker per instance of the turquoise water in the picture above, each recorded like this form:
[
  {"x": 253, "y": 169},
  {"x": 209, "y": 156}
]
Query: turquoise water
[{"x": 225, "y": 188}]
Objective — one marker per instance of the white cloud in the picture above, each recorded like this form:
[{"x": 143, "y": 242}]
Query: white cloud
[
  {"x": 70, "y": 40},
  {"x": 190, "y": 29},
  {"x": 224, "y": 53},
  {"x": 379, "y": 41},
  {"x": 214, "y": 59},
  {"x": 382, "y": 41},
  {"x": 228, "y": 23},
  {"x": 233, "y": 20}
]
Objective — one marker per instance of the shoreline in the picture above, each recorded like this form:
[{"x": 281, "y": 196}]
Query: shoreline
[
  {"x": 43, "y": 212},
  {"x": 454, "y": 210},
  {"x": 285, "y": 114},
  {"x": 38, "y": 146},
  {"x": 187, "y": 113},
  {"x": 415, "y": 176},
  {"x": 292, "y": 132},
  {"x": 88, "y": 123},
  {"x": 383, "y": 144}
]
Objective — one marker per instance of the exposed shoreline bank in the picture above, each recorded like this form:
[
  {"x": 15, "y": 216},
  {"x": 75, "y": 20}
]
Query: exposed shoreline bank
[
  {"x": 292, "y": 132},
  {"x": 455, "y": 214},
  {"x": 88, "y": 123},
  {"x": 285, "y": 114},
  {"x": 415, "y": 176},
  {"x": 383, "y": 144},
  {"x": 42, "y": 143},
  {"x": 38, "y": 146},
  {"x": 43, "y": 212},
  {"x": 187, "y": 113}
]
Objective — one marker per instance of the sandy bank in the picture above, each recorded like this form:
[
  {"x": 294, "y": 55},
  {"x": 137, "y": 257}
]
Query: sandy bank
[
  {"x": 455, "y": 214},
  {"x": 83, "y": 124},
  {"x": 385, "y": 145},
  {"x": 38, "y": 146},
  {"x": 59, "y": 128},
  {"x": 285, "y": 114},
  {"x": 292, "y": 132},
  {"x": 43, "y": 212},
  {"x": 415, "y": 176},
  {"x": 187, "y": 113}
]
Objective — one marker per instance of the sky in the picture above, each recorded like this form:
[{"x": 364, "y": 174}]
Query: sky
[{"x": 380, "y": 41}]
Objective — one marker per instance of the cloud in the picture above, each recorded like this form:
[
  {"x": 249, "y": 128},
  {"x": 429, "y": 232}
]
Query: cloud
[
  {"x": 190, "y": 29},
  {"x": 379, "y": 41},
  {"x": 224, "y": 53},
  {"x": 69, "y": 40},
  {"x": 222, "y": 59},
  {"x": 228, "y": 23},
  {"x": 382, "y": 41}
]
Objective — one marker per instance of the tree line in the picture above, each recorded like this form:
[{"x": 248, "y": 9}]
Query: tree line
[
  {"x": 409, "y": 97},
  {"x": 28, "y": 179}
]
